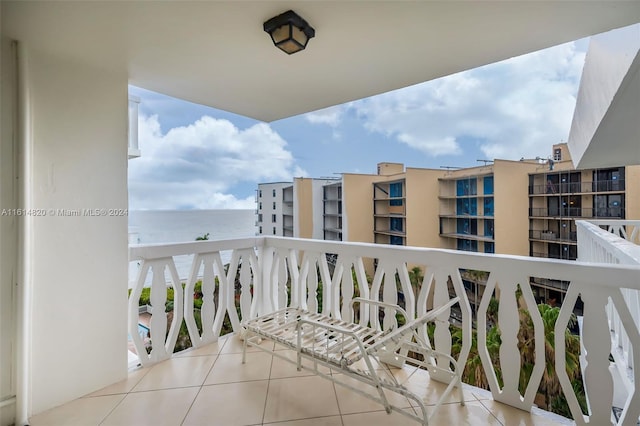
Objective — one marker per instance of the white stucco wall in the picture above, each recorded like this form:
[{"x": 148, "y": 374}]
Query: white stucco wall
[
  {"x": 76, "y": 266},
  {"x": 8, "y": 232},
  {"x": 605, "y": 129}
]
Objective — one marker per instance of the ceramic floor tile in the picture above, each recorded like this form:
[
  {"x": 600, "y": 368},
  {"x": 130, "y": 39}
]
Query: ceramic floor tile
[
  {"x": 166, "y": 407},
  {"x": 229, "y": 368},
  {"x": 210, "y": 349},
  {"x": 176, "y": 372},
  {"x": 512, "y": 416},
  {"x": 281, "y": 368},
  {"x": 80, "y": 412},
  {"x": 419, "y": 382},
  {"x": 471, "y": 414},
  {"x": 218, "y": 405},
  {"x": 234, "y": 345},
  {"x": 316, "y": 421},
  {"x": 300, "y": 398},
  {"x": 352, "y": 402},
  {"x": 379, "y": 418},
  {"x": 123, "y": 386}
]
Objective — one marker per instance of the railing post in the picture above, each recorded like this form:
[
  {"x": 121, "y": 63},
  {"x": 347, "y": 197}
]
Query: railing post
[{"x": 269, "y": 292}]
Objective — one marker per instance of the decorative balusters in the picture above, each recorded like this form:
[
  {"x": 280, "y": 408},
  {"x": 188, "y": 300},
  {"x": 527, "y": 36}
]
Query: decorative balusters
[
  {"x": 280, "y": 277},
  {"x": 309, "y": 275},
  {"x": 208, "y": 309},
  {"x": 442, "y": 333},
  {"x": 162, "y": 343},
  {"x": 298, "y": 288},
  {"x": 261, "y": 280},
  {"x": 407, "y": 291},
  {"x": 423, "y": 297},
  {"x": 467, "y": 319},
  {"x": 631, "y": 409},
  {"x": 363, "y": 288}
]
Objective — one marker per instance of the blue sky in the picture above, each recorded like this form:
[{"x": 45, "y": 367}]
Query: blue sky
[{"x": 196, "y": 157}]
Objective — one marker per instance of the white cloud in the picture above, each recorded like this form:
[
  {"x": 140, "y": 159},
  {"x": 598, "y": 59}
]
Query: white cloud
[
  {"x": 514, "y": 108},
  {"x": 195, "y": 166},
  {"x": 330, "y": 116}
]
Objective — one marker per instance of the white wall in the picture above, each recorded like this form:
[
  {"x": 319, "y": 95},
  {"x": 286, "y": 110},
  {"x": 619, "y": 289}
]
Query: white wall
[
  {"x": 77, "y": 265},
  {"x": 8, "y": 230},
  {"x": 605, "y": 126}
]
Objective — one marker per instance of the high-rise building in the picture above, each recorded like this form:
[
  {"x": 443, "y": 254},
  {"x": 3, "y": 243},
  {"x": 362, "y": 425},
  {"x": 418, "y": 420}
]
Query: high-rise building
[{"x": 274, "y": 208}]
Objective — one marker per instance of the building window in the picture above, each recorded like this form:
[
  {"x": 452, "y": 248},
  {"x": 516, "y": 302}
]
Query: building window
[
  {"x": 260, "y": 230},
  {"x": 395, "y": 191},
  {"x": 557, "y": 154},
  {"x": 467, "y": 226},
  {"x": 395, "y": 224},
  {"x": 488, "y": 228},
  {"x": 259, "y": 217},
  {"x": 396, "y": 240},
  {"x": 488, "y": 206},
  {"x": 260, "y": 205},
  {"x": 273, "y": 192},
  {"x": 466, "y": 187},
  {"x": 260, "y": 193},
  {"x": 468, "y": 245},
  {"x": 273, "y": 218},
  {"x": 489, "y": 247},
  {"x": 274, "y": 230},
  {"x": 608, "y": 206},
  {"x": 274, "y": 205},
  {"x": 467, "y": 206},
  {"x": 488, "y": 185}
]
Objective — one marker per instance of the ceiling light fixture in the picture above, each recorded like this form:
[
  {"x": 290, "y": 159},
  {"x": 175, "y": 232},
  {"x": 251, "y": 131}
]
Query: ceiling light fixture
[{"x": 289, "y": 32}]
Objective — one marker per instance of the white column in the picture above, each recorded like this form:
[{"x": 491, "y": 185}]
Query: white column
[{"x": 75, "y": 266}]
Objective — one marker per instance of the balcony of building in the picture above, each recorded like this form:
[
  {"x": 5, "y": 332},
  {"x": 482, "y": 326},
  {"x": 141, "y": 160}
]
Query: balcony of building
[
  {"x": 65, "y": 71},
  {"x": 209, "y": 384}
]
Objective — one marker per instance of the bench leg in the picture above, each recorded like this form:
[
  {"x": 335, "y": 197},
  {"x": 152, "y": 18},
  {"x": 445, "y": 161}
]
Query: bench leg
[{"x": 244, "y": 347}]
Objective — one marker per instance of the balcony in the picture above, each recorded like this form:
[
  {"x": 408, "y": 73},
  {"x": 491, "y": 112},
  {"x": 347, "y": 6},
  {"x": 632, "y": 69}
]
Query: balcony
[
  {"x": 210, "y": 386},
  {"x": 578, "y": 187},
  {"x": 268, "y": 273},
  {"x": 568, "y": 237},
  {"x": 577, "y": 212}
]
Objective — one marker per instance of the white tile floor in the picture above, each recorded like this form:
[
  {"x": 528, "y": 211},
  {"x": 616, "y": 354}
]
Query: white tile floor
[{"x": 210, "y": 386}]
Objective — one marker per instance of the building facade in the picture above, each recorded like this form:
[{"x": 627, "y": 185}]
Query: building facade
[{"x": 274, "y": 209}]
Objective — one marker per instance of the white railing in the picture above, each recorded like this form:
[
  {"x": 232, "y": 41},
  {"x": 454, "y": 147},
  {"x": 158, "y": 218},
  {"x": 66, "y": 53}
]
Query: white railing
[
  {"x": 616, "y": 242},
  {"x": 268, "y": 273}
]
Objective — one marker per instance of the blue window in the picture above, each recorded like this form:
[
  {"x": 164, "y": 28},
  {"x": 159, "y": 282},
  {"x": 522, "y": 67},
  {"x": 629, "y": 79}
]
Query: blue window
[
  {"x": 395, "y": 224},
  {"x": 466, "y": 187},
  {"x": 396, "y": 240},
  {"x": 395, "y": 191},
  {"x": 467, "y": 206},
  {"x": 467, "y": 226},
  {"x": 467, "y": 245},
  {"x": 488, "y": 206},
  {"x": 488, "y": 228},
  {"x": 489, "y": 248},
  {"x": 488, "y": 185}
]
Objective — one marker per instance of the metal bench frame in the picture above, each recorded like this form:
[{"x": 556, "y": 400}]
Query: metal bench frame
[{"x": 340, "y": 345}]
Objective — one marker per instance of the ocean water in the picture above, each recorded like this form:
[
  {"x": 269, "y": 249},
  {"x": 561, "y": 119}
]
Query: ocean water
[{"x": 175, "y": 226}]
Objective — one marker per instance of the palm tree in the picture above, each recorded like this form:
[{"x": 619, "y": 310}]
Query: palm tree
[{"x": 549, "y": 385}]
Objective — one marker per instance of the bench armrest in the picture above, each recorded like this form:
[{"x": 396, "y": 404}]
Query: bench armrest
[{"x": 396, "y": 308}]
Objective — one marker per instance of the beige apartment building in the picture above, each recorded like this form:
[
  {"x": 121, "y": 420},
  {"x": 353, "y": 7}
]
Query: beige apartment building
[{"x": 527, "y": 207}]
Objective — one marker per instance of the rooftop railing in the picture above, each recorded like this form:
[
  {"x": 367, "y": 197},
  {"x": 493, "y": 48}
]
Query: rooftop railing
[{"x": 268, "y": 273}]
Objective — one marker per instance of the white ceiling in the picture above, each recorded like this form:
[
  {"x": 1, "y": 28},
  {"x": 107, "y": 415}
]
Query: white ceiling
[{"x": 216, "y": 53}]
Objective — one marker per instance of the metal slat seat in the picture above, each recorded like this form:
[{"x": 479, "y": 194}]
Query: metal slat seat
[{"x": 340, "y": 344}]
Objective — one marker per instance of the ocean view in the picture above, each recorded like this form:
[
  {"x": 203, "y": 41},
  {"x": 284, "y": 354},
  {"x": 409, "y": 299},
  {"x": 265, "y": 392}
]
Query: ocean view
[{"x": 174, "y": 226}]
